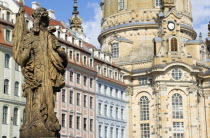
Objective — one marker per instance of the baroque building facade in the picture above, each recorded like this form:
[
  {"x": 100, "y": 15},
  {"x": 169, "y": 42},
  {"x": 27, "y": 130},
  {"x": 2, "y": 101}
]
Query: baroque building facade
[{"x": 166, "y": 68}]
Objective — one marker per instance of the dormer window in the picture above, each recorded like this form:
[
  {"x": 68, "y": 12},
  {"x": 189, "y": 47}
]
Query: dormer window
[
  {"x": 116, "y": 76},
  {"x": 99, "y": 69},
  {"x": 110, "y": 74},
  {"x": 73, "y": 39},
  {"x": 91, "y": 63},
  {"x": 115, "y": 50},
  {"x": 59, "y": 34},
  {"x": 66, "y": 37},
  {"x": 8, "y": 16},
  {"x": 174, "y": 45},
  {"x": 27, "y": 24},
  {"x": 80, "y": 43}
]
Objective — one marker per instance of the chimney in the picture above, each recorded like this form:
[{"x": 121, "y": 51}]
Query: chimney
[
  {"x": 35, "y": 5},
  {"x": 51, "y": 14}
]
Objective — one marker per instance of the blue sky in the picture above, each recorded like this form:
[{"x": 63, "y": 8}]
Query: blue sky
[{"x": 91, "y": 14}]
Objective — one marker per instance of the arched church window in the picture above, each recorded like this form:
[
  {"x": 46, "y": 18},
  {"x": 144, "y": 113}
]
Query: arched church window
[
  {"x": 177, "y": 106},
  {"x": 115, "y": 50},
  {"x": 122, "y": 5},
  {"x": 174, "y": 44},
  {"x": 144, "y": 108},
  {"x": 157, "y": 3}
]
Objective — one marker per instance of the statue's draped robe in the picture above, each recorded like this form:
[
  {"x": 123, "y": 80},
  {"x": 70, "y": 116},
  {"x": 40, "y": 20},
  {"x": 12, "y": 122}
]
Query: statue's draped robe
[{"x": 43, "y": 68}]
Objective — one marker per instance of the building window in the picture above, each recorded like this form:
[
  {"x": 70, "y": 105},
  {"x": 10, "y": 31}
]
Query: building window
[
  {"x": 6, "y": 86},
  {"x": 157, "y": 3},
  {"x": 91, "y": 102},
  {"x": 78, "y": 78},
  {"x": 122, "y": 114},
  {"x": 6, "y": 60},
  {"x": 116, "y": 77},
  {"x": 71, "y": 54},
  {"x": 77, "y": 57},
  {"x": 99, "y": 69},
  {"x": 15, "y": 116},
  {"x": 117, "y": 133},
  {"x": 144, "y": 108},
  {"x": 177, "y": 106},
  {"x": 66, "y": 37},
  {"x": 145, "y": 131},
  {"x": 143, "y": 81},
  {"x": 78, "y": 122},
  {"x": 122, "y": 133},
  {"x": 16, "y": 88},
  {"x": 73, "y": 40},
  {"x": 85, "y": 60},
  {"x": 78, "y": 99},
  {"x": 91, "y": 124},
  {"x": 70, "y": 121},
  {"x": 63, "y": 95},
  {"x": 111, "y": 111},
  {"x": 100, "y": 131},
  {"x": 71, "y": 97},
  {"x": 99, "y": 87},
  {"x": 99, "y": 109},
  {"x": 91, "y": 63},
  {"x": 85, "y": 124},
  {"x": 122, "y": 4},
  {"x": 105, "y": 110},
  {"x": 85, "y": 100},
  {"x": 5, "y": 115},
  {"x": 8, "y": 16},
  {"x": 105, "y": 72},
  {"x": 111, "y": 91},
  {"x": 85, "y": 80},
  {"x": 174, "y": 45},
  {"x": 71, "y": 76},
  {"x": 105, "y": 89},
  {"x": 111, "y": 132},
  {"x": 115, "y": 50},
  {"x": 110, "y": 74},
  {"x": 59, "y": 34},
  {"x": 63, "y": 120},
  {"x": 178, "y": 130},
  {"x": 27, "y": 24},
  {"x": 116, "y": 112},
  {"x": 106, "y": 132},
  {"x": 91, "y": 82},
  {"x": 122, "y": 97},
  {"x": 16, "y": 67},
  {"x": 176, "y": 74},
  {"x": 116, "y": 93}
]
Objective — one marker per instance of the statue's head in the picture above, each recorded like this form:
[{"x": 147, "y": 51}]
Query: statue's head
[{"x": 41, "y": 19}]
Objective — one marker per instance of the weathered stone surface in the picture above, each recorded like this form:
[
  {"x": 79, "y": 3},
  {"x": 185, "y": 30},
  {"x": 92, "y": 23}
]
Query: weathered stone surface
[{"x": 43, "y": 64}]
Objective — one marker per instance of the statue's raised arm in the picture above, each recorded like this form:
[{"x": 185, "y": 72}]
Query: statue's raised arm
[{"x": 18, "y": 33}]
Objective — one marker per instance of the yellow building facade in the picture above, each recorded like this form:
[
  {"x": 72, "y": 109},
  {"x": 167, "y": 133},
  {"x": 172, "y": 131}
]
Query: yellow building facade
[{"x": 166, "y": 67}]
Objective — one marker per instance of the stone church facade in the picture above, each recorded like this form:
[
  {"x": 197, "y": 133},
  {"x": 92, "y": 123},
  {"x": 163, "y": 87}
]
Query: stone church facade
[{"x": 165, "y": 67}]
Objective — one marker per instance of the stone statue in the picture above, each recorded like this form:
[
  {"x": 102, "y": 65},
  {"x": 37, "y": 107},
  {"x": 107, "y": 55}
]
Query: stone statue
[{"x": 43, "y": 64}]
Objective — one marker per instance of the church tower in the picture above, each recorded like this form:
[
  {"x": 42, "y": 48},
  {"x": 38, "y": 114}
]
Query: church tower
[
  {"x": 166, "y": 68},
  {"x": 75, "y": 21}
]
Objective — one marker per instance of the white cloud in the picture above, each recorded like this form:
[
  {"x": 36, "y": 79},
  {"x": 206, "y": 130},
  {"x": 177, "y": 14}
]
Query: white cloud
[
  {"x": 201, "y": 16},
  {"x": 92, "y": 28}
]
